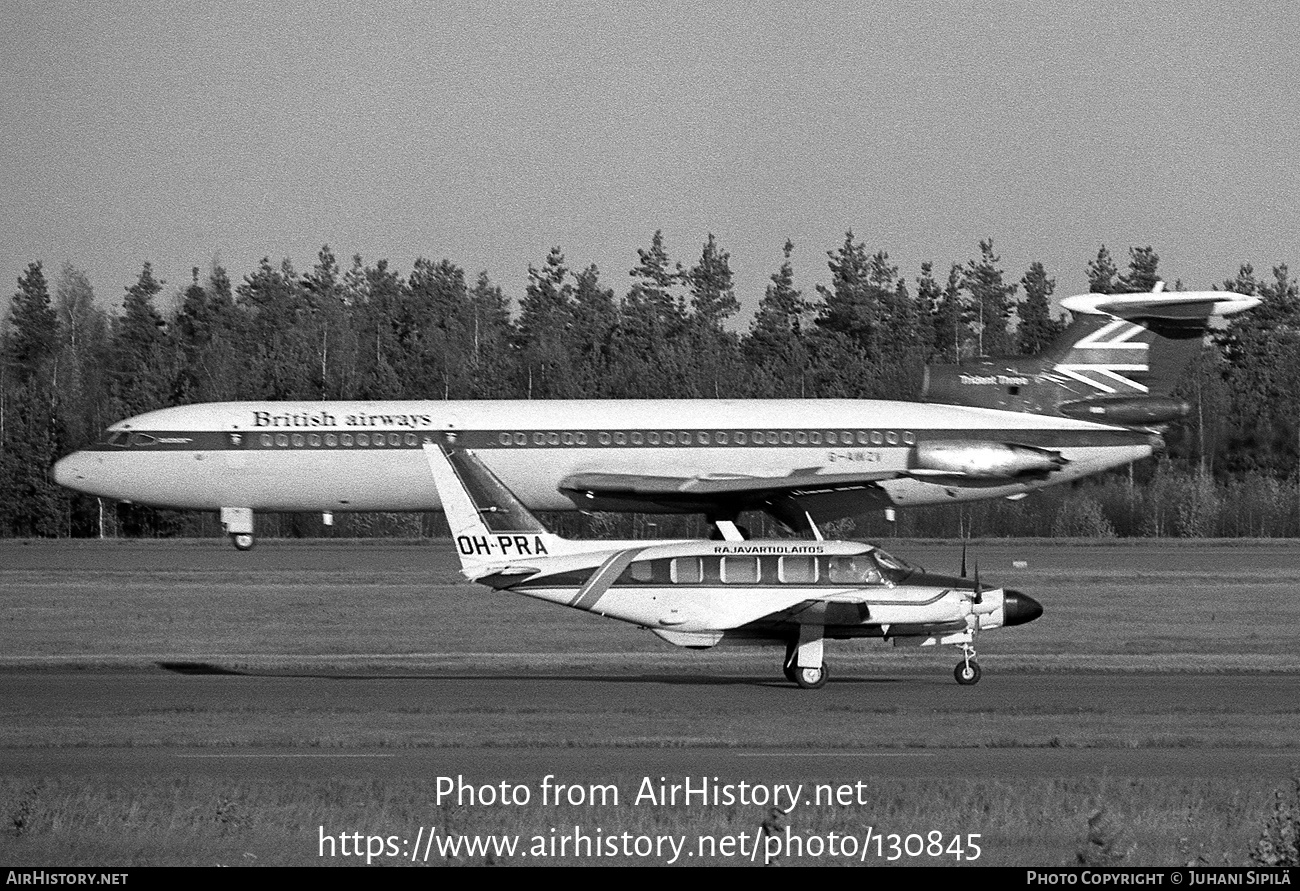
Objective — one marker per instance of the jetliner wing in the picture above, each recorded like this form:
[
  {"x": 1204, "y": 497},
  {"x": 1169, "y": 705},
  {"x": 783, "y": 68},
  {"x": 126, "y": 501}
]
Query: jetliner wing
[{"x": 825, "y": 496}]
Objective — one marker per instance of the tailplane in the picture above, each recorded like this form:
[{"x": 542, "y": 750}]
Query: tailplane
[{"x": 1118, "y": 362}]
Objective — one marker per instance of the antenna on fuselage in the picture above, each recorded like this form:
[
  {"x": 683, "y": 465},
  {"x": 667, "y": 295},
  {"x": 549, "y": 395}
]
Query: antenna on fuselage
[{"x": 812, "y": 526}]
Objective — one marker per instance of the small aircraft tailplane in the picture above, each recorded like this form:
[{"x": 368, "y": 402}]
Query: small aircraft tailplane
[{"x": 492, "y": 529}]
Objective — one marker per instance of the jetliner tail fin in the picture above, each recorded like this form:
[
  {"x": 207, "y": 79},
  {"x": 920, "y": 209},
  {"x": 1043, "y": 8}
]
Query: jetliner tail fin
[
  {"x": 1118, "y": 362},
  {"x": 493, "y": 531}
]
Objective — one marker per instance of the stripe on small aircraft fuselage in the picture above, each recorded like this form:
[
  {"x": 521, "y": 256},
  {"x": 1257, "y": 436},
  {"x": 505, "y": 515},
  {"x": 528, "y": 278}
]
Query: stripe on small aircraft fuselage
[{"x": 601, "y": 580}]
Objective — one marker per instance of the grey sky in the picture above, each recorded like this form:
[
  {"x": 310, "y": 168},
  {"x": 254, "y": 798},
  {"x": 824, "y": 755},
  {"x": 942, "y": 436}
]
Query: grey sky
[{"x": 487, "y": 133}]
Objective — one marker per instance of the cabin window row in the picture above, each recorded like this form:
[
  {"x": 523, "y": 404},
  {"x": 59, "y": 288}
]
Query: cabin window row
[
  {"x": 338, "y": 440},
  {"x": 709, "y": 437},
  {"x": 745, "y": 570}
]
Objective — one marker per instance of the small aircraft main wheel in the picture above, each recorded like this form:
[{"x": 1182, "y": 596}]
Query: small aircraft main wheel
[
  {"x": 243, "y": 541},
  {"x": 967, "y": 673},
  {"x": 811, "y": 678}
]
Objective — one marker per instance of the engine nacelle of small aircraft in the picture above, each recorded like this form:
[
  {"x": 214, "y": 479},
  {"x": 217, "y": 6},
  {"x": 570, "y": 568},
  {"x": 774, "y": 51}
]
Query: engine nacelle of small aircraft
[{"x": 985, "y": 460}]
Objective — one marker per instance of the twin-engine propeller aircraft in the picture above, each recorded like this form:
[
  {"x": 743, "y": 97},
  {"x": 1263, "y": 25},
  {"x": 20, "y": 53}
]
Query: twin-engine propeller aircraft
[
  {"x": 698, "y": 594},
  {"x": 1090, "y": 403}
]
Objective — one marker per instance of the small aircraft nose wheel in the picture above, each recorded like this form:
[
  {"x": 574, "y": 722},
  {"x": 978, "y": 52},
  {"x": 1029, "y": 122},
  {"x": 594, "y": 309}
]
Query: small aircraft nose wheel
[
  {"x": 811, "y": 678},
  {"x": 967, "y": 673},
  {"x": 243, "y": 541}
]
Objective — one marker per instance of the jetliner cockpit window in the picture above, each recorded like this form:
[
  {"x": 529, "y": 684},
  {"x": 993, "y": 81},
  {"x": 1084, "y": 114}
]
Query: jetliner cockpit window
[
  {"x": 859, "y": 570},
  {"x": 118, "y": 438},
  {"x": 142, "y": 439}
]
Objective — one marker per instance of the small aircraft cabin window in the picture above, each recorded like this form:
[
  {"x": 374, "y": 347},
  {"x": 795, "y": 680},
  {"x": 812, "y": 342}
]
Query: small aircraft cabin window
[
  {"x": 740, "y": 570},
  {"x": 798, "y": 570},
  {"x": 860, "y": 570},
  {"x": 642, "y": 571},
  {"x": 687, "y": 571}
]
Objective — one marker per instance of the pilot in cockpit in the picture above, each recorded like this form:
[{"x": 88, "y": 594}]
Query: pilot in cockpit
[{"x": 857, "y": 570}]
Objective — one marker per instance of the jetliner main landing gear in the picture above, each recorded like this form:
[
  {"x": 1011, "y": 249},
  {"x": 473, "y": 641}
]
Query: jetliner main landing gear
[
  {"x": 238, "y": 524},
  {"x": 967, "y": 671}
]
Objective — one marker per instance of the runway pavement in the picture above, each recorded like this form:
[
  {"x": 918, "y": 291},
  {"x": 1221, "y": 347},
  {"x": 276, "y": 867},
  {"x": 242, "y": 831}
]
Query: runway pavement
[{"x": 588, "y": 713}]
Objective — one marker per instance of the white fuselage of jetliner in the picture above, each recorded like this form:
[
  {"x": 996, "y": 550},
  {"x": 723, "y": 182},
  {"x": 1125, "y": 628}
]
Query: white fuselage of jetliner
[{"x": 366, "y": 456}]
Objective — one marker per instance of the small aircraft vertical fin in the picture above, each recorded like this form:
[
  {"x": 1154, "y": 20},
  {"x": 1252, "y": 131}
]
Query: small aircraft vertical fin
[{"x": 490, "y": 526}]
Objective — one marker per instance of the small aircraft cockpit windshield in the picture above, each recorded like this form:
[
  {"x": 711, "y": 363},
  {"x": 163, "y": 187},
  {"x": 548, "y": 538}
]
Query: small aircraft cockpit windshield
[{"x": 895, "y": 567}]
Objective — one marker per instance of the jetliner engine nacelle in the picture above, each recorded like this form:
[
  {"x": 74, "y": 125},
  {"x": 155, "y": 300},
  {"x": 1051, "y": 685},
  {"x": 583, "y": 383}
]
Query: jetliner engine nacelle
[
  {"x": 1130, "y": 411},
  {"x": 986, "y": 460}
]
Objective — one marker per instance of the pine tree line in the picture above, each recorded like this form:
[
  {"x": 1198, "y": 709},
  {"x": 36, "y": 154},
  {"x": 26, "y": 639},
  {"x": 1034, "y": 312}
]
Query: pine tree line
[{"x": 367, "y": 332}]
